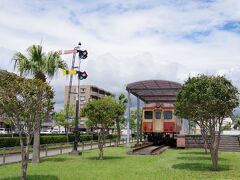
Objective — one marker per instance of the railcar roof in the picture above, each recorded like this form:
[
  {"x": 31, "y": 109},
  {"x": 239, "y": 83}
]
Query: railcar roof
[{"x": 155, "y": 91}]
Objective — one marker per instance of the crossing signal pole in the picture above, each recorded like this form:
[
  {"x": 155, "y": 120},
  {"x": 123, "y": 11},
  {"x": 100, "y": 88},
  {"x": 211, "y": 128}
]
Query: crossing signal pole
[{"x": 81, "y": 75}]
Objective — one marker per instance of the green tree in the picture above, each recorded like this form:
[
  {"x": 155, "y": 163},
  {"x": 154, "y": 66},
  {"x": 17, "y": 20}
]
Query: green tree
[
  {"x": 207, "y": 100},
  {"x": 23, "y": 102},
  {"x": 61, "y": 120},
  {"x": 236, "y": 121},
  {"x": 41, "y": 66},
  {"x": 120, "y": 110},
  {"x": 101, "y": 115},
  {"x": 133, "y": 119},
  {"x": 133, "y": 123}
]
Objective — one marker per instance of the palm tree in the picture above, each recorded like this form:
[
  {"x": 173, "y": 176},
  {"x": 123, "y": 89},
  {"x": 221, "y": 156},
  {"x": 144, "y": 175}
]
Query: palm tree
[{"x": 40, "y": 66}]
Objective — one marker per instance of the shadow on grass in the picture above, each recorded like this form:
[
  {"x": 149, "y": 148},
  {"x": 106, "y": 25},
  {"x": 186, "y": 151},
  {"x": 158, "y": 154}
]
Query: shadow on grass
[
  {"x": 105, "y": 158},
  {"x": 196, "y": 153},
  {"x": 199, "y": 167},
  {"x": 198, "y": 158},
  {"x": 86, "y": 151},
  {"x": 54, "y": 159},
  {"x": 34, "y": 177}
]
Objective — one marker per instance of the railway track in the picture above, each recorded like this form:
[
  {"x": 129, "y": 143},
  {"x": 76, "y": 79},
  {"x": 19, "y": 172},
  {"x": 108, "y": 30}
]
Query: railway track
[{"x": 149, "y": 150}]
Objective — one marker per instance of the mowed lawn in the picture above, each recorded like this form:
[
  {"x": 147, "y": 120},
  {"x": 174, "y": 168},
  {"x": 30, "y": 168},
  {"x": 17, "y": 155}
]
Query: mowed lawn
[{"x": 172, "y": 164}]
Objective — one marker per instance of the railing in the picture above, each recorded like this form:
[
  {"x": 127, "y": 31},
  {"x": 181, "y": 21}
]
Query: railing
[{"x": 13, "y": 154}]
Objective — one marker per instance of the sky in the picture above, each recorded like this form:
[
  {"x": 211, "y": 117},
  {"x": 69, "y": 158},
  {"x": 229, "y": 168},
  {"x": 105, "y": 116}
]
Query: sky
[{"x": 127, "y": 41}]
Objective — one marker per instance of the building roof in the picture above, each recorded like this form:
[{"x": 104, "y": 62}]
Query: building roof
[{"x": 155, "y": 91}]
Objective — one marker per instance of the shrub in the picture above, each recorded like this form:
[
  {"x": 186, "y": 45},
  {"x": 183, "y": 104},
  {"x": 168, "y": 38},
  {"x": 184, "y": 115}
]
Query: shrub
[
  {"x": 7, "y": 141},
  {"x": 53, "y": 139}
]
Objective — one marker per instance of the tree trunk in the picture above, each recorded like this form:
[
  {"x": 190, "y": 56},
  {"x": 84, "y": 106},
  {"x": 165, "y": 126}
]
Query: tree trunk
[
  {"x": 204, "y": 135},
  {"x": 24, "y": 165},
  {"x": 214, "y": 158},
  {"x": 118, "y": 132},
  {"x": 25, "y": 157},
  {"x": 205, "y": 146},
  {"x": 36, "y": 144},
  {"x": 100, "y": 144},
  {"x": 36, "y": 141},
  {"x": 215, "y": 140}
]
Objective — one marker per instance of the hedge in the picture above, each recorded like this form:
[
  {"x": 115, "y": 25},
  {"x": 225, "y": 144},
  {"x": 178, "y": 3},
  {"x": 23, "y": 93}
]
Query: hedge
[
  {"x": 9, "y": 141},
  {"x": 51, "y": 139}
]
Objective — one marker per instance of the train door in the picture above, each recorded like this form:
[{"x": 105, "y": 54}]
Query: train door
[{"x": 157, "y": 121}]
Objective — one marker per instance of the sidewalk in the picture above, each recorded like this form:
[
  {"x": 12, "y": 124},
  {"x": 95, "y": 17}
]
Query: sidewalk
[{"x": 12, "y": 158}]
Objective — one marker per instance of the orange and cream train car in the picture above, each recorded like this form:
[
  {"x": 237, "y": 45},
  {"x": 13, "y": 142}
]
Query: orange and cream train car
[{"x": 159, "y": 122}]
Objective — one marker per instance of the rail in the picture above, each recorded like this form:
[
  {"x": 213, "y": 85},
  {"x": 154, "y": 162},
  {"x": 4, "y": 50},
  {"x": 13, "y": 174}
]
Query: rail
[
  {"x": 149, "y": 149},
  {"x": 12, "y": 154}
]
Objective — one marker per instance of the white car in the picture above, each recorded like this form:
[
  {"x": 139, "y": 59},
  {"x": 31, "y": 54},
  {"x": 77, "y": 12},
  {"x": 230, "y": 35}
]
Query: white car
[
  {"x": 3, "y": 131},
  {"x": 46, "y": 132},
  {"x": 55, "y": 131}
]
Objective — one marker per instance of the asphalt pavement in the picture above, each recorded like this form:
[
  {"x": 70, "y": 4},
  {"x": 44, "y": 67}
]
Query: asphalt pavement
[{"x": 16, "y": 157}]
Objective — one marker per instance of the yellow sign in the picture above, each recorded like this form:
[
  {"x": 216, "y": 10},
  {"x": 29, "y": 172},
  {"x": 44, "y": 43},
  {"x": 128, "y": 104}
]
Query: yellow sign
[{"x": 65, "y": 72}]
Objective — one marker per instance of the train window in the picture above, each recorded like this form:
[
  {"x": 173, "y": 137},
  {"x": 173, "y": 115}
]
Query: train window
[
  {"x": 158, "y": 114},
  {"x": 148, "y": 115},
  {"x": 167, "y": 114}
]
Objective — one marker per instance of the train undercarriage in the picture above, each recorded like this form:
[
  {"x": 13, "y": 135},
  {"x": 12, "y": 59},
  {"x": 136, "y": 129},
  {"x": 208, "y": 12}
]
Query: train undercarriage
[{"x": 168, "y": 139}]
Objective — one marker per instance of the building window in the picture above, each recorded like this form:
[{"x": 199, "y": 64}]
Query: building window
[
  {"x": 94, "y": 90},
  {"x": 158, "y": 114},
  {"x": 148, "y": 115},
  {"x": 167, "y": 114},
  {"x": 82, "y": 90}
]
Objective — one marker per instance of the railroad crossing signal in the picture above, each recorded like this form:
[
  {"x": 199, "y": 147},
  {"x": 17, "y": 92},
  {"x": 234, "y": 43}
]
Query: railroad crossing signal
[
  {"x": 65, "y": 72},
  {"x": 63, "y": 52},
  {"x": 82, "y": 54},
  {"x": 82, "y": 75}
]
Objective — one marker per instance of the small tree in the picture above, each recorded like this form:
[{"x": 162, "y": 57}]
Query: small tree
[
  {"x": 236, "y": 122},
  {"x": 207, "y": 100},
  {"x": 120, "y": 110},
  {"x": 60, "y": 119},
  {"x": 100, "y": 114},
  {"x": 24, "y": 102}
]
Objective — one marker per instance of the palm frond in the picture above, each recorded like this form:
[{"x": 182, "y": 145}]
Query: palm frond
[
  {"x": 37, "y": 63},
  {"x": 53, "y": 63},
  {"x": 21, "y": 63},
  {"x": 36, "y": 56}
]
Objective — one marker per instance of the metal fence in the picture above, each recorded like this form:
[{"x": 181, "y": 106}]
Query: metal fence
[{"x": 13, "y": 154}]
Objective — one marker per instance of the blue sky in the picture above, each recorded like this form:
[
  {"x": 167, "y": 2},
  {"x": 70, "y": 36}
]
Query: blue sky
[{"x": 128, "y": 41}]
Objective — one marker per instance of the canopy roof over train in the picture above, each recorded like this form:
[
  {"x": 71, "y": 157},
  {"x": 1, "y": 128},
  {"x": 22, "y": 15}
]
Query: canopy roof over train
[{"x": 155, "y": 91}]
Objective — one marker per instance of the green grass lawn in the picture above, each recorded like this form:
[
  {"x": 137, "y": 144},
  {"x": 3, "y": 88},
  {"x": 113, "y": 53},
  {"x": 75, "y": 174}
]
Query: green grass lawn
[{"x": 172, "y": 164}]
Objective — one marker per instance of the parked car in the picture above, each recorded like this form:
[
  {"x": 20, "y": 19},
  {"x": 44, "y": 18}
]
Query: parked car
[
  {"x": 46, "y": 132},
  {"x": 55, "y": 131},
  {"x": 3, "y": 131}
]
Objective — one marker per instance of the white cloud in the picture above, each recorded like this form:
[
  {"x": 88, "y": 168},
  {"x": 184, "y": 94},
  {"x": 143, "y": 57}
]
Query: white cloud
[{"x": 127, "y": 41}]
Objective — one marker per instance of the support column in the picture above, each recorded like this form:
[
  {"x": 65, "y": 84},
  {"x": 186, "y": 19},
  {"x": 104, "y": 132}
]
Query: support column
[
  {"x": 138, "y": 118},
  {"x": 189, "y": 127},
  {"x": 128, "y": 123}
]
